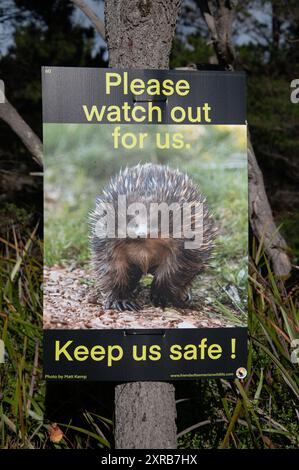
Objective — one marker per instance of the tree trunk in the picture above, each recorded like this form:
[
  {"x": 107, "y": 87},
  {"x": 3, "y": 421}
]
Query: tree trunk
[
  {"x": 139, "y": 34},
  {"x": 218, "y": 17},
  {"x": 145, "y": 416},
  {"x": 219, "y": 20}
]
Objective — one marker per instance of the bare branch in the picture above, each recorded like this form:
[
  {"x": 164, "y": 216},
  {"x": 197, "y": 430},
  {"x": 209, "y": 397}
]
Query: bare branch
[
  {"x": 209, "y": 18},
  {"x": 11, "y": 116},
  {"x": 96, "y": 21},
  {"x": 219, "y": 22},
  {"x": 261, "y": 218}
]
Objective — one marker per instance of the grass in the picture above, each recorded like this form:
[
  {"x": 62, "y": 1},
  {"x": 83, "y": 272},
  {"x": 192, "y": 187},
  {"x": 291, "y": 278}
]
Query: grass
[
  {"x": 22, "y": 388},
  {"x": 21, "y": 318},
  {"x": 259, "y": 412}
]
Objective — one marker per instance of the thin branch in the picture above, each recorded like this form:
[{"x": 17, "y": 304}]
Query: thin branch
[
  {"x": 11, "y": 116},
  {"x": 96, "y": 21},
  {"x": 209, "y": 18}
]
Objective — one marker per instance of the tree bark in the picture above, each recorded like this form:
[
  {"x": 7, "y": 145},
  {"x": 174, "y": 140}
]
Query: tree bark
[
  {"x": 11, "y": 116},
  {"x": 261, "y": 218},
  {"x": 219, "y": 16},
  {"x": 139, "y": 34},
  {"x": 145, "y": 415},
  {"x": 219, "y": 19}
]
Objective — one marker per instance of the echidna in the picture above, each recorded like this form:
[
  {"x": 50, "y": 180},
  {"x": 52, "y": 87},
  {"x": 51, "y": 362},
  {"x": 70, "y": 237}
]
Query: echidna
[{"x": 145, "y": 242}]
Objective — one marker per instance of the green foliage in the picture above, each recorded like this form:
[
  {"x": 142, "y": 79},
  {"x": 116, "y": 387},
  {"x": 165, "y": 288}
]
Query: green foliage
[
  {"x": 259, "y": 412},
  {"x": 193, "y": 51},
  {"x": 22, "y": 388},
  {"x": 44, "y": 34},
  {"x": 22, "y": 403}
]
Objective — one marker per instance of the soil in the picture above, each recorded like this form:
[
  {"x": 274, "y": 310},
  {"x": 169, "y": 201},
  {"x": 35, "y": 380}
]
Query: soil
[{"x": 70, "y": 303}]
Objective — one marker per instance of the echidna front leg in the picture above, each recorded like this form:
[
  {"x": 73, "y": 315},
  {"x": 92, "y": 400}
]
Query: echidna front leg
[
  {"x": 172, "y": 281},
  {"x": 116, "y": 277},
  {"x": 123, "y": 282}
]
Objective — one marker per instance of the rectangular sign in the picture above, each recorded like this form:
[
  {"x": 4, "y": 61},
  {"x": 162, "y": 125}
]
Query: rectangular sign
[
  {"x": 124, "y": 355},
  {"x": 146, "y": 224},
  {"x": 81, "y": 95}
]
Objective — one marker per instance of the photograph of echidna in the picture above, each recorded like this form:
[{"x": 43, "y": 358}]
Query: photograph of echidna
[{"x": 145, "y": 233}]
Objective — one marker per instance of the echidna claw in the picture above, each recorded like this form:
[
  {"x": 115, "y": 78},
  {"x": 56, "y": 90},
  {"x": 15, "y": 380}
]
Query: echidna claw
[
  {"x": 122, "y": 305},
  {"x": 188, "y": 298}
]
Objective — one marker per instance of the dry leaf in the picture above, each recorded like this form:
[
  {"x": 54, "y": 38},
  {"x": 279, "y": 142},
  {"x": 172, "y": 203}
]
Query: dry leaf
[{"x": 55, "y": 433}]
